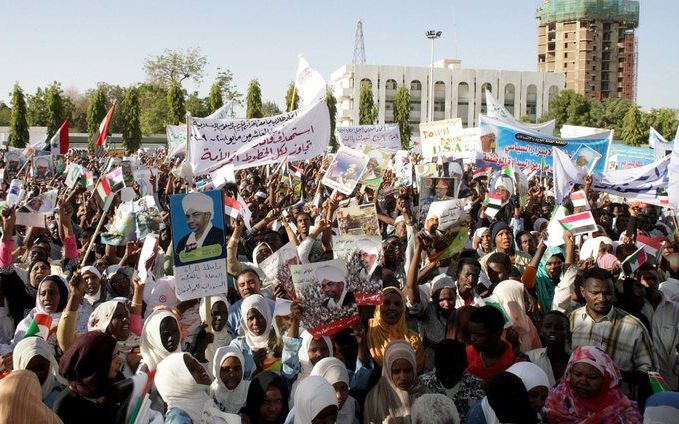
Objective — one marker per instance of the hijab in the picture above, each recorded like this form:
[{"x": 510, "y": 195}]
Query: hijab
[
  {"x": 63, "y": 295},
  {"x": 92, "y": 299},
  {"x": 31, "y": 347},
  {"x": 476, "y": 240},
  {"x": 305, "y": 362},
  {"x": 510, "y": 294},
  {"x": 221, "y": 337},
  {"x": 101, "y": 318},
  {"x": 530, "y": 374},
  {"x": 178, "y": 388},
  {"x": 380, "y": 333},
  {"x": 230, "y": 400},
  {"x": 255, "y": 301},
  {"x": 86, "y": 364},
  {"x": 386, "y": 399},
  {"x": 257, "y": 392},
  {"x": 507, "y": 400},
  {"x": 544, "y": 284},
  {"x": 20, "y": 400},
  {"x": 151, "y": 344},
  {"x": 312, "y": 396},
  {"x": 334, "y": 371},
  {"x": 610, "y": 405}
]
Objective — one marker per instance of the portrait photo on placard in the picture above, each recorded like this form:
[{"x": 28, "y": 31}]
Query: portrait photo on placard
[
  {"x": 197, "y": 221},
  {"x": 345, "y": 170}
]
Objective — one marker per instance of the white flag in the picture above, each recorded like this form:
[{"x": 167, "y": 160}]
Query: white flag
[
  {"x": 309, "y": 84},
  {"x": 566, "y": 174},
  {"x": 497, "y": 111},
  {"x": 658, "y": 143},
  {"x": 673, "y": 187},
  {"x": 223, "y": 112}
]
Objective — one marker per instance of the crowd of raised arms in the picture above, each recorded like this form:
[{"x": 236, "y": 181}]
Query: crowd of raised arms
[{"x": 510, "y": 327}]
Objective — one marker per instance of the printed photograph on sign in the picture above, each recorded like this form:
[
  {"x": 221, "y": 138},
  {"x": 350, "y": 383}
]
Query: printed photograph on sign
[
  {"x": 43, "y": 168},
  {"x": 358, "y": 220},
  {"x": 437, "y": 189},
  {"x": 403, "y": 169},
  {"x": 445, "y": 214},
  {"x": 345, "y": 170},
  {"x": 361, "y": 256},
  {"x": 378, "y": 160},
  {"x": 276, "y": 266},
  {"x": 197, "y": 221},
  {"x": 488, "y": 137},
  {"x": 586, "y": 158},
  {"x": 14, "y": 160},
  {"x": 329, "y": 305}
]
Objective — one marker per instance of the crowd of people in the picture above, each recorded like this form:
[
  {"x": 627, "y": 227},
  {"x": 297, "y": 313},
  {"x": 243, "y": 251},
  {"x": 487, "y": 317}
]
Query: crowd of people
[{"x": 512, "y": 327}]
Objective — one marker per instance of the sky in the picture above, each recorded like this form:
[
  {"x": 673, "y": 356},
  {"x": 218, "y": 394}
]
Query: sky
[{"x": 82, "y": 42}]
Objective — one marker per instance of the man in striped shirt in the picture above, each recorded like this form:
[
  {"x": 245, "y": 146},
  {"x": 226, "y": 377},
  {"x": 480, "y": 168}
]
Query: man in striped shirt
[{"x": 622, "y": 336}]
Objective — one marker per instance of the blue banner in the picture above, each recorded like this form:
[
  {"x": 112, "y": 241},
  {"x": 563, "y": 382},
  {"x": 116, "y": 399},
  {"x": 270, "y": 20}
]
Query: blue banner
[
  {"x": 501, "y": 141},
  {"x": 627, "y": 157}
]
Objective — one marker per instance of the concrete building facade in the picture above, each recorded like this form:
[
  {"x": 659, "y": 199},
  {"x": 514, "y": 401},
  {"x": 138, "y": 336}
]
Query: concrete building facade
[
  {"x": 457, "y": 92},
  {"x": 593, "y": 43}
]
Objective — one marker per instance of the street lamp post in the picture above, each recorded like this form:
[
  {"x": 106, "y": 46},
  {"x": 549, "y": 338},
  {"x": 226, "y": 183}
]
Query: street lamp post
[{"x": 432, "y": 35}]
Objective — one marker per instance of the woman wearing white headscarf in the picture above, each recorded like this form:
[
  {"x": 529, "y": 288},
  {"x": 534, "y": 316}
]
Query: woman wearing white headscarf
[
  {"x": 398, "y": 387},
  {"x": 160, "y": 337},
  {"x": 335, "y": 372},
  {"x": 310, "y": 352},
  {"x": 316, "y": 401},
  {"x": 182, "y": 383},
  {"x": 481, "y": 241},
  {"x": 112, "y": 317},
  {"x": 510, "y": 294},
  {"x": 229, "y": 389},
  {"x": 216, "y": 323},
  {"x": 536, "y": 382},
  {"x": 36, "y": 355}
]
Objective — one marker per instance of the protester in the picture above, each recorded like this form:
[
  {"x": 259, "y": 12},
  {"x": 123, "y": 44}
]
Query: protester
[
  {"x": 506, "y": 402},
  {"x": 20, "y": 400},
  {"x": 335, "y": 372},
  {"x": 536, "y": 383},
  {"x": 555, "y": 336},
  {"x": 487, "y": 353},
  {"x": 266, "y": 402},
  {"x": 590, "y": 390},
  {"x": 229, "y": 389}
]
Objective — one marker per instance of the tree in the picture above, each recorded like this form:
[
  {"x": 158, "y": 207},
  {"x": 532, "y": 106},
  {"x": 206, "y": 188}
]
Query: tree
[
  {"x": 270, "y": 108},
  {"x": 291, "y": 98},
  {"x": 367, "y": 110},
  {"x": 174, "y": 66},
  {"x": 114, "y": 94},
  {"x": 76, "y": 105},
  {"x": 633, "y": 127},
  {"x": 5, "y": 114},
  {"x": 36, "y": 109},
  {"x": 331, "y": 101},
  {"x": 527, "y": 119},
  {"x": 96, "y": 111},
  {"x": 197, "y": 106},
  {"x": 229, "y": 92},
  {"x": 402, "y": 115},
  {"x": 56, "y": 110},
  {"x": 132, "y": 123},
  {"x": 175, "y": 104},
  {"x": 664, "y": 121},
  {"x": 254, "y": 100},
  {"x": 155, "y": 112},
  {"x": 214, "y": 100},
  {"x": 18, "y": 125},
  {"x": 569, "y": 107},
  {"x": 609, "y": 113}
]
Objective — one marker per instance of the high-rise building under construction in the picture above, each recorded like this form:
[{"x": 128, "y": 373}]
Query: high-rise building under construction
[{"x": 593, "y": 43}]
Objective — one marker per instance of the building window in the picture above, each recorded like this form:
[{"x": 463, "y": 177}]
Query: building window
[
  {"x": 485, "y": 87},
  {"x": 509, "y": 98},
  {"x": 367, "y": 82},
  {"x": 415, "y": 86},
  {"x": 463, "y": 102},
  {"x": 552, "y": 93},
  {"x": 565, "y": 55},
  {"x": 531, "y": 102},
  {"x": 391, "y": 84},
  {"x": 439, "y": 97}
]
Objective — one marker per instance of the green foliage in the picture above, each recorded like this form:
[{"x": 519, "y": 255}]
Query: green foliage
[
  {"x": 291, "y": 98},
  {"x": 664, "y": 121},
  {"x": 569, "y": 107},
  {"x": 367, "y": 110},
  {"x": 174, "y": 66},
  {"x": 609, "y": 114},
  {"x": 18, "y": 131},
  {"x": 633, "y": 130},
  {"x": 5, "y": 114},
  {"x": 527, "y": 119},
  {"x": 402, "y": 114},
  {"x": 270, "y": 108},
  {"x": 175, "y": 104},
  {"x": 331, "y": 102},
  {"x": 113, "y": 93},
  {"x": 155, "y": 112},
  {"x": 254, "y": 101},
  {"x": 36, "y": 109},
  {"x": 197, "y": 106},
  {"x": 131, "y": 118},
  {"x": 96, "y": 111},
  {"x": 56, "y": 109},
  {"x": 229, "y": 91},
  {"x": 214, "y": 100}
]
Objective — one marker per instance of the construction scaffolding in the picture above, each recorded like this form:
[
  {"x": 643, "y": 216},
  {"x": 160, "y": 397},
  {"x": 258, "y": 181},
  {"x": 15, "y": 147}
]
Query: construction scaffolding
[{"x": 623, "y": 11}]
